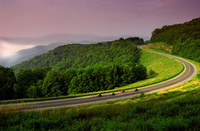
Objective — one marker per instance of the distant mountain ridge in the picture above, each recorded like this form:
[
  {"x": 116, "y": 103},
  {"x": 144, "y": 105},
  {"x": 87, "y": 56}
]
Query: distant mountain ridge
[
  {"x": 27, "y": 54},
  {"x": 58, "y": 38},
  {"x": 68, "y": 38},
  {"x": 32, "y": 52}
]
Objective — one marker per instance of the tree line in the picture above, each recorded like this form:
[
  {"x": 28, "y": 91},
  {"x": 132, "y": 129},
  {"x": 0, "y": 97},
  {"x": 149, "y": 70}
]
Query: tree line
[
  {"x": 82, "y": 55},
  {"x": 184, "y": 38},
  {"x": 118, "y": 66}
]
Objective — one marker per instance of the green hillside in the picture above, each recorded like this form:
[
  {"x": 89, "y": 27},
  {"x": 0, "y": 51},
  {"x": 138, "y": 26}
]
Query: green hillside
[
  {"x": 77, "y": 68},
  {"x": 83, "y": 55},
  {"x": 184, "y": 38}
]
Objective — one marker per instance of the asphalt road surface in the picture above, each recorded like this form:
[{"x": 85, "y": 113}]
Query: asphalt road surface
[{"x": 188, "y": 73}]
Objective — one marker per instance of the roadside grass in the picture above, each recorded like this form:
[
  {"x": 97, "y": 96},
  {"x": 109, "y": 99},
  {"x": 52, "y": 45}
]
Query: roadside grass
[
  {"x": 175, "y": 108},
  {"x": 164, "y": 68}
]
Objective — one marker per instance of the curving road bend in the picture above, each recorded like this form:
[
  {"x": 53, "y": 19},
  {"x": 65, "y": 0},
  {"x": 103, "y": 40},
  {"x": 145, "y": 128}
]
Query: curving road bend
[{"x": 188, "y": 73}]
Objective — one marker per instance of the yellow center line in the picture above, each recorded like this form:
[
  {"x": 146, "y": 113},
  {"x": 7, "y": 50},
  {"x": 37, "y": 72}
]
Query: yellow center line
[{"x": 66, "y": 102}]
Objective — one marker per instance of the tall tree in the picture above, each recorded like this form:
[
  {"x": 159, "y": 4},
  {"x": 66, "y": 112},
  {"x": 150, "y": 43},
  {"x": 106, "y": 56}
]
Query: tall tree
[
  {"x": 52, "y": 85},
  {"x": 7, "y": 80}
]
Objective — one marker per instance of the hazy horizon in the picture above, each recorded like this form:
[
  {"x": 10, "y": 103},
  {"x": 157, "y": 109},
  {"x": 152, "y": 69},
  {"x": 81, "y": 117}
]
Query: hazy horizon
[
  {"x": 105, "y": 18},
  {"x": 10, "y": 46}
]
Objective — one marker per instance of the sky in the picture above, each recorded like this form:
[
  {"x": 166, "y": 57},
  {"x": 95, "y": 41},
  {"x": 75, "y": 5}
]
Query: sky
[{"x": 37, "y": 18}]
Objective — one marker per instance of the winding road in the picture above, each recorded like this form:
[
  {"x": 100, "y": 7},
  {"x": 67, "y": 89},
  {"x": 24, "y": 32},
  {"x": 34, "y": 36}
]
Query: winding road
[{"x": 188, "y": 73}]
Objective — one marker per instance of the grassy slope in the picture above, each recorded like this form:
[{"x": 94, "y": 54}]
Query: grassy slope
[
  {"x": 175, "y": 108},
  {"x": 160, "y": 64},
  {"x": 165, "y": 67}
]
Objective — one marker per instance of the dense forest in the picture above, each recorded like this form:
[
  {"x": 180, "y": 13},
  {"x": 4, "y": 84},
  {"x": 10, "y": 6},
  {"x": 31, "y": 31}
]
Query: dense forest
[
  {"x": 82, "y": 55},
  {"x": 184, "y": 38},
  {"x": 75, "y": 68}
]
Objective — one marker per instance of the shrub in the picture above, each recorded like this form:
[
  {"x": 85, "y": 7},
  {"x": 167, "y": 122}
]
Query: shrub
[
  {"x": 142, "y": 94},
  {"x": 151, "y": 72},
  {"x": 155, "y": 93}
]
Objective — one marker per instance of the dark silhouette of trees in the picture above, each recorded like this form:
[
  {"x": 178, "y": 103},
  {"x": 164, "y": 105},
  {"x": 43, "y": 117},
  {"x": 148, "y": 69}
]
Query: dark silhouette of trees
[{"x": 7, "y": 80}]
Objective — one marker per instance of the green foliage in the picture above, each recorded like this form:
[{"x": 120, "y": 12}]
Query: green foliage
[
  {"x": 7, "y": 80},
  {"x": 188, "y": 49},
  {"x": 82, "y": 55},
  {"x": 177, "y": 33},
  {"x": 185, "y": 38},
  {"x": 25, "y": 78},
  {"x": 33, "y": 92},
  {"x": 142, "y": 94},
  {"x": 151, "y": 72},
  {"x": 198, "y": 76},
  {"x": 155, "y": 114},
  {"x": 52, "y": 85},
  {"x": 101, "y": 77},
  {"x": 155, "y": 93},
  {"x": 29, "y": 83}
]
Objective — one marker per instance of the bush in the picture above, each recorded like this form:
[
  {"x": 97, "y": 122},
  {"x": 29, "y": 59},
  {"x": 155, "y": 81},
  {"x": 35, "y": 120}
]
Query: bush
[
  {"x": 142, "y": 94},
  {"x": 151, "y": 72},
  {"x": 155, "y": 93}
]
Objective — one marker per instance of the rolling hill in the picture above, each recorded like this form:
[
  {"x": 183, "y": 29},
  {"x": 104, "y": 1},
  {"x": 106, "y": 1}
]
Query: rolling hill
[
  {"x": 83, "y": 55},
  {"x": 184, "y": 38}
]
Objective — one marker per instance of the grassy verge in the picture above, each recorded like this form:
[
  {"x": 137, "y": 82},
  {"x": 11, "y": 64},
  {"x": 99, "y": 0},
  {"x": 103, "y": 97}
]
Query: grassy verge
[
  {"x": 155, "y": 114},
  {"x": 164, "y": 68},
  {"x": 175, "y": 108}
]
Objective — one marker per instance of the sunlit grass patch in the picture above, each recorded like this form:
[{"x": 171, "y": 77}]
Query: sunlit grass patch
[{"x": 163, "y": 66}]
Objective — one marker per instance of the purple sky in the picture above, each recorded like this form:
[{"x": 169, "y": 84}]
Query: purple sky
[{"x": 36, "y": 18}]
